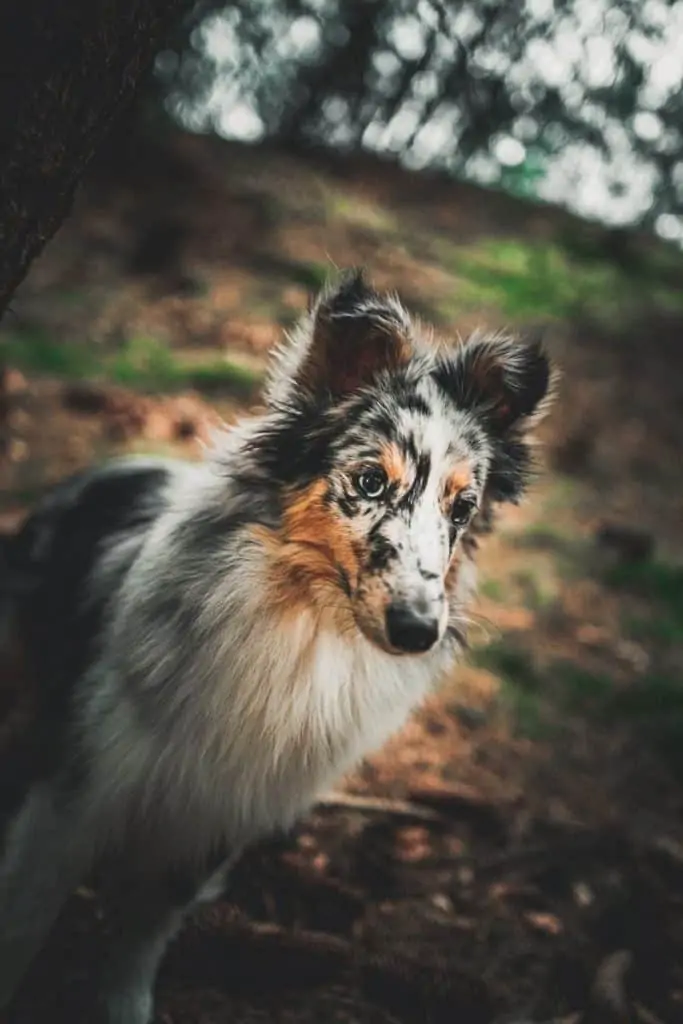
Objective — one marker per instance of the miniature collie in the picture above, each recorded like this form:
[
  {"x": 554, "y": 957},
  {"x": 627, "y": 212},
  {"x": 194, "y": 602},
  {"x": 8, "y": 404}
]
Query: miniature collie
[{"x": 210, "y": 646}]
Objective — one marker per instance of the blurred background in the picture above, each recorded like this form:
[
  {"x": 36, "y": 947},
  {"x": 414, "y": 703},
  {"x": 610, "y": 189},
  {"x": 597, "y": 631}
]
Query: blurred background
[{"x": 518, "y": 163}]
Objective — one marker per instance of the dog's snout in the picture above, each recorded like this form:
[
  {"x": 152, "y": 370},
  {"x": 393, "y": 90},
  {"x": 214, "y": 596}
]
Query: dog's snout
[{"x": 410, "y": 629}]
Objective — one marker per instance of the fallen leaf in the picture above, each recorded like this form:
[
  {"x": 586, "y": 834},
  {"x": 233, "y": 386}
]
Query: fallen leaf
[{"x": 544, "y": 922}]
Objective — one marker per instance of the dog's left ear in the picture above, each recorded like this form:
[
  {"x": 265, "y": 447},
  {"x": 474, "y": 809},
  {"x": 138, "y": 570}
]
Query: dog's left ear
[
  {"x": 351, "y": 335},
  {"x": 507, "y": 384},
  {"x": 506, "y": 380}
]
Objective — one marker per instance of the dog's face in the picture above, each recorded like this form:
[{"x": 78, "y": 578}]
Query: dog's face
[{"x": 387, "y": 449}]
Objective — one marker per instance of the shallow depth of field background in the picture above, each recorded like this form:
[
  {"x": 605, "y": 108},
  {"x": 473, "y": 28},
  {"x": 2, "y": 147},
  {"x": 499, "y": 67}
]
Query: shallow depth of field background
[{"x": 451, "y": 148}]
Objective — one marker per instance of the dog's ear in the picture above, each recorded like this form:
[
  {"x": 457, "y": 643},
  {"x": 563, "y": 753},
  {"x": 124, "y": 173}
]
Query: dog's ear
[
  {"x": 507, "y": 383},
  {"x": 350, "y": 336},
  {"x": 506, "y": 380}
]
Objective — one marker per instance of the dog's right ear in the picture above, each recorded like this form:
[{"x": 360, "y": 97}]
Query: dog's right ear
[{"x": 351, "y": 335}]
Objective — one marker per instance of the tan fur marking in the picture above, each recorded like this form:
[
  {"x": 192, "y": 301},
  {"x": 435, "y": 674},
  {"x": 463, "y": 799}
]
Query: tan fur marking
[
  {"x": 394, "y": 464},
  {"x": 306, "y": 553},
  {"x": 459, "y": 479}
]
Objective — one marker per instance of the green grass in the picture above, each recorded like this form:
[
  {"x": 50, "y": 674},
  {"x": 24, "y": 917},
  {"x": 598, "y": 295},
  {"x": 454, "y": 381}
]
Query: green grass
[
  {"x": 541, "y": 536},
  {"x": 563, "y": 680},
  {"x": 654, "y": 709},
  {"x": 33, "y": 352},
  {"x": 544, "y": 281},
  {"x": 311, "y": 275},
  {"x": 493, "y": 589},
  {"x": 566, "y": 553},
  {"x": 520, "y": 686},
  {"x": 278, "y": 270},
  {"x": 537, "y": 592},
  {"x": 656, "y": 262},
  {"x": 651, "y": 696},
  {"x": 140, "y": 362},
  {"x": 526, "y": 712},
  {"x": 652, "y": 706},
  {"x": 537, "y": 697},
  {"x": 71, "y": 297},
  {"x": 359, "y": 212},
  {"x": 510, "y": 661},
  {"x": 223, "y": 375},
  {"x": 654, "y": 629},
  {"x": 578, "y": 688},
  {"x": 662, "y": 586},
  {"x": 654, "y": 580}
]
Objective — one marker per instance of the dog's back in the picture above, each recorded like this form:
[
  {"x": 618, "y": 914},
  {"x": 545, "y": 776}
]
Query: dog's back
[{"x": 50, "y": 614}]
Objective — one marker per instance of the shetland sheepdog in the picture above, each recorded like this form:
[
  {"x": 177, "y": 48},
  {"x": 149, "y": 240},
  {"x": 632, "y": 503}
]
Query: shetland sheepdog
[{"x": 211, "y": 645}]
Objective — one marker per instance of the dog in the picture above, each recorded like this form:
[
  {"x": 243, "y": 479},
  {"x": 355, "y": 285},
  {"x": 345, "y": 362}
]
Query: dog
[{"x": 211, "y": 645}]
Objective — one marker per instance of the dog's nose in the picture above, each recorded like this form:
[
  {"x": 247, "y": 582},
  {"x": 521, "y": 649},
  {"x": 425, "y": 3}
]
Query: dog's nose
[{"x": 411, "y": 630}]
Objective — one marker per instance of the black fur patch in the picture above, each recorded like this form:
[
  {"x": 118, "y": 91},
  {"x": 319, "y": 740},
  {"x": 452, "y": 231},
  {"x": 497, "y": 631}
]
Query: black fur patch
[
  {"x": 423, "y": 466},
  {"x": 382, "y": 551},
  {"x": 56, "y": 550},
  {"x": 511, "y": 468},
  {"x": 501, "y": 394},
  {"x": 501, "y": 402},
  {"x": 413, "y": 403},
  {"x": 349, "y": 505},
  {"x": 351, "y": 291},
  {"x": 291, "y": 451}
]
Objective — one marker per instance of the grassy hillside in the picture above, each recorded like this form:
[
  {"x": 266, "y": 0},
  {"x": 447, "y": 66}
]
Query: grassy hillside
[{"x": 154, "y": 310}]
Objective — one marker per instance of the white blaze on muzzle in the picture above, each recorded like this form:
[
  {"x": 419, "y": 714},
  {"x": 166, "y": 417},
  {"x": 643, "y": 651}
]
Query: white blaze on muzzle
[{"x": 417, "y": 609}]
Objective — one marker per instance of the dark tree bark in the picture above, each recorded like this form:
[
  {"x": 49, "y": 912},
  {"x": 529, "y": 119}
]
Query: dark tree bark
[{"x": 66, "y": 70}]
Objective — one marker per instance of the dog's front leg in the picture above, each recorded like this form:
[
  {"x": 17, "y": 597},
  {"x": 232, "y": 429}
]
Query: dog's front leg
[
  {"x": 147, "y": 913},
  {"x": 46, "y": 849}
]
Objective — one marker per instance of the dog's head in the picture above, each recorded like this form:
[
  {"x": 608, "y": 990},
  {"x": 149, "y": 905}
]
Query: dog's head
[{"x": 385, "y": 448}]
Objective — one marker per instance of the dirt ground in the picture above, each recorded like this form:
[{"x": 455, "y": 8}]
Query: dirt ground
[{"x": 517, "y": 852}]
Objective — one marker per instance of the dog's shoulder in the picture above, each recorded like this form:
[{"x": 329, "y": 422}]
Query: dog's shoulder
[
  {"x": 75, "y": 517},
  {"x": 51, "y": 563}
]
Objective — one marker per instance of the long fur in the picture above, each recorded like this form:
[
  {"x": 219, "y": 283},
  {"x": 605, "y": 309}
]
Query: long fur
[{"x": 213, "y": 645}]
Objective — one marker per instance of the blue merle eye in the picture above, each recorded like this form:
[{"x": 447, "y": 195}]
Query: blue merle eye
[
  {"x": 372, "y": 483},
  {"x": 462, "y": 510}
]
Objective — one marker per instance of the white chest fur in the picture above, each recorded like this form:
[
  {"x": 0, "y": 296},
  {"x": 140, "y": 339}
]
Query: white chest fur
[
  {"x": 314, "y": 703},
  {"x": 276, "y": 716}
]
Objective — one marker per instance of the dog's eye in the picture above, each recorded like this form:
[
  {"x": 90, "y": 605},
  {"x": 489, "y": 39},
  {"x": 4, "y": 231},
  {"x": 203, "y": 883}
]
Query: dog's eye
[
  {"x": 462, "y": 510},
  {"x": 372, "y": 483}
]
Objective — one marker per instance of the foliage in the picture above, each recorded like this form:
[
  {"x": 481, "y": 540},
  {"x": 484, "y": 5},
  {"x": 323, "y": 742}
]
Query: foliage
[
  {"x": 545, "y": 280},
  {"x": 139, "y": 362},
  {"x": 522, "y": 94}
]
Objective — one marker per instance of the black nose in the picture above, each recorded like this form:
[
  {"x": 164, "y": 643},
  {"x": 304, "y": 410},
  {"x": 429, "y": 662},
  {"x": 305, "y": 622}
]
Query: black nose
[{"x": 410, "y": 630}]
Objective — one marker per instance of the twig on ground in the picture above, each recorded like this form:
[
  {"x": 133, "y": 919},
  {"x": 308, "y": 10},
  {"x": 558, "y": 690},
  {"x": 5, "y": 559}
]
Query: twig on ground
[
  {"x": 379, "y": 805},
  {"x": 670, "y": 847},
  {"x": 609, "y": 989},
  {"x": 645, "y": 1015}
]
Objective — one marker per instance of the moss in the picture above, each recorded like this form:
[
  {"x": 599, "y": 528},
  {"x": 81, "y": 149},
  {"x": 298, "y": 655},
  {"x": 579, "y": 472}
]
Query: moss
[
  {"x": 140, "y": 362},
  {"x": 543, "y": 280}
]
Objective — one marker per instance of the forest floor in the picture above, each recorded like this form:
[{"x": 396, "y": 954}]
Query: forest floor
[{"x": 518, "y": 848}]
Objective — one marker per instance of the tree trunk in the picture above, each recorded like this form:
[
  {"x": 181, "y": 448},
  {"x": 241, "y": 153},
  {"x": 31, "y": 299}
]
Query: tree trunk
[{"x": 66, "y": 69}]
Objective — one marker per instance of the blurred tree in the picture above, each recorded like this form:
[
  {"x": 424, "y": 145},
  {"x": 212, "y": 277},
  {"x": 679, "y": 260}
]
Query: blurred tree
[
  {"x": 66, "y": 70},
  {"x": 572, "y": 100}
]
